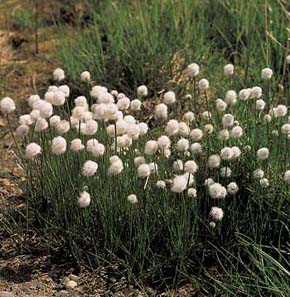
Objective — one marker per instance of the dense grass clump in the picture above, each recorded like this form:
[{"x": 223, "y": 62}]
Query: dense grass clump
[
  {"x": 163, "y": 197},
  {"x": 135, "y": 42},
  {"x": 265, "y": 273}
]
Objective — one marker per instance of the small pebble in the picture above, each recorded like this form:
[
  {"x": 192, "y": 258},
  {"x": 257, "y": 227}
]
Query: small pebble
[
  {"x": 70, "y": 285},
  {"x": 74, "y": 277},
  {"x": 6, "y": 183}
]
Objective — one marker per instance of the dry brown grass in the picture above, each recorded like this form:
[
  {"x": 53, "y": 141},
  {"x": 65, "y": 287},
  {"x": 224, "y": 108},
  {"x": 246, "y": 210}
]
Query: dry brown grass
[
  {"x": 6, "y": 52},
  {"x": 22, "y": 71}
]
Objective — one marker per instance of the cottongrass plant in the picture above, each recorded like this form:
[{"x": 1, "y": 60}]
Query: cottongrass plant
[
  {"x": 265, "y": 273},
  {"x": 110, "y": 187}
]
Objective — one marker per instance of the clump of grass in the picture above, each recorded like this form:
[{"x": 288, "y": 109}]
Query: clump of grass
[
  {"x": 107, "y": 187},
  {"x": 21, "y": 19},
  {"x": 148, "y": 41},
  {"x": 158, "y": 33},
  {"x": 259, "y": 270}
]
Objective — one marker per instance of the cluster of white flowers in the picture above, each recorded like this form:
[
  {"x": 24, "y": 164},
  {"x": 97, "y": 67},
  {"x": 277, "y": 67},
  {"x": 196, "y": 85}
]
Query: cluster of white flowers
[{"x": 214, "y": 142}]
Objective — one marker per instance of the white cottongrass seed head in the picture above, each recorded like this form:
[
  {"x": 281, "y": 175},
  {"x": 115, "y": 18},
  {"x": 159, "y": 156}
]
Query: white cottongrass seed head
[
  {"x": 256, "y": 92},
  {"x": 89, "y": 168},
  {"x": 196, "y": 148},
  {"x": 216, "y": 213},
  {"x": 161, "y": 111},
  {"x": 116, "y": 166},
  {"x": 58, "y": 145},
  {"x": 21, "y": 131},
  {"x": 160, "y": 184},
  {"x": 41, "y": 125},
  {"x": 169, "y": 98},
  {"x": 260, "y": 104},
  {"x": 264, "y": 182},
  {"x": 151, "y": 147},
  {"x": 132, "y": 198},
  {"x": 221, "y": 105},
  {"x": 192, "y": 193},
  {"x": 203, "y": 84},
  {"x": 258, "y": 173},
  {"x": 217, "y": 191},
  {"x": 7, "y": 105},
  {"x": 135, "y": 105},
  {"x": 232, "y": 188},
  {"x": 172, "y": 127},
  {"x": 192, "y": 70},
  {"x": 263, "y": 153},
  {"x": 143, "y": 170},
  {"x": 208, "y": 182},
  {"x": 196, "y": 134},
  {"x": 25, "y": 119},
  {"x": 58, "y": 74},
  {"x": 85, "y": 76},
  {"x": 227, "y": 153},
  {"x": 84, "y": 199},
  {"x": 214, "y": 161},
  {"x": 266, "y": 73},
  {"x": 229, "y": 70},
  {"x": 179, "y": 183},
  {"x": 190, "y": 166},
  {"x": 231, "y": 97},
  {"x": 142, "y": 91},
  {"x": 182, "y": 145},
  {"x": 76, "y": 145},
  {"x": 244, "y": 94},
  {"x": 237, "y": 132},
  {"x": 189, "y": 116},
  {"x": 287, "y": 176},
  {"x": 177, "y": 165},
  {"x": 228, "y": 120},
  {"x": 32, "y": 150},
  {"x": 225, "y": 172},
  {"x": 163, "y": 142}
]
